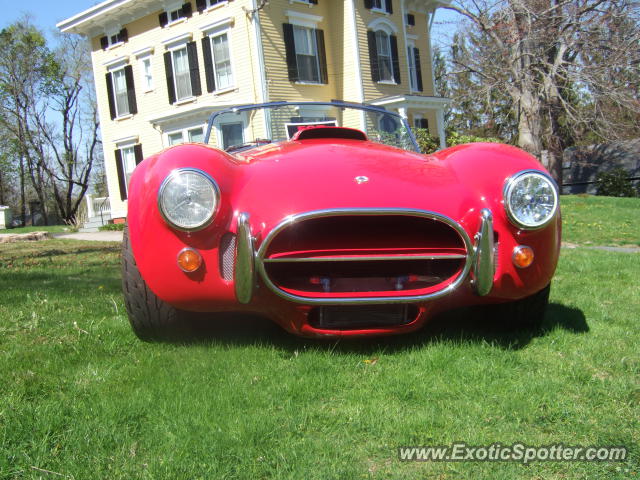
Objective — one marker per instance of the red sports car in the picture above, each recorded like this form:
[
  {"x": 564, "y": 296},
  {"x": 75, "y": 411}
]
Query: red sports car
[{"x": 324, "y": 217}]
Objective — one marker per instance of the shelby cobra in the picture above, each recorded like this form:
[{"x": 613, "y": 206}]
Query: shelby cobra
[{"x": 301, "y": 216}]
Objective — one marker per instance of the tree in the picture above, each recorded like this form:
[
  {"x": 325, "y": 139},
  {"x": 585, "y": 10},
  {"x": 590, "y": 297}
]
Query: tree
[
  {"x": 25, "y": 67},
  {"x": 73, "y": 139},
  {"x": 555, "y": 66}
]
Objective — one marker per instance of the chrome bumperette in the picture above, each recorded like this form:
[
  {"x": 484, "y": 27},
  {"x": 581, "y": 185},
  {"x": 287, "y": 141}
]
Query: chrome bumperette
[
  {"x": 484, "y": 255},
  {"x": 292, "y": 219},
  {"x": 244, "y": 272}
]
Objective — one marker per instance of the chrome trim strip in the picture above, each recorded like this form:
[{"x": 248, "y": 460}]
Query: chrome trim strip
[
  {"x": 244, "y": 273},
  {"x": 364, "y": 258},
  {"x": 216, "y": 190},
  {"x": 260, "y": 261},
  {"x": 506, "y": 191},
  {"x": 483, "y": 264}
]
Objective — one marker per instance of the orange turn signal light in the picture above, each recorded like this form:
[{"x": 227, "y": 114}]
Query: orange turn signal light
[
  {"x": 189, "y": 260},
  {"x": 522, "y": 256}
]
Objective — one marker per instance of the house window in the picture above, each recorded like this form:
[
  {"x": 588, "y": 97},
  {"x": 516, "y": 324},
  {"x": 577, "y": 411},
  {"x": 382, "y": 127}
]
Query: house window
[
  {"x": 383, "y": 55},
  {"x": 415, "y": 70},
  {"x": 385, "y": 6},
  {"x": 202, "y": 5},
  {"x": 127, "y": 158},
  {"x": 175, "y": 13},
  {"x": 195, "y": 135},
  {"x": 147, "y": 74},
  {"x": 411, "y": 20},
  {"x": 383, "y": 48},
  {"x": 419, "y": 122},
  {"x": 232, "y": 134},
  {"x": 183, "y": 74},
  {"x": 306, "y": 56},
  {"x": 217, "y": 59},
  {"x": 112, "y": 39},
  {"x": 121, "y": 92}
]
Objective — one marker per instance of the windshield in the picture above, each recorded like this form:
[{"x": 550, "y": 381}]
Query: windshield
[{"x": 248, "y": 126}]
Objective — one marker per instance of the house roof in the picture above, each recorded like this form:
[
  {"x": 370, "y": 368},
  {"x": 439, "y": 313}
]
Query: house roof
[{"x": 110, "y": 13}]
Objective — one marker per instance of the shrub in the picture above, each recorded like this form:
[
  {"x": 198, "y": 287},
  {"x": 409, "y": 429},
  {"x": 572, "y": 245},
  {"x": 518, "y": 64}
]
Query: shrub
[
  {"x": 615, "y": 183},
  {"x": 112, "y": 227},
  {"x": 429, "y": 143}
]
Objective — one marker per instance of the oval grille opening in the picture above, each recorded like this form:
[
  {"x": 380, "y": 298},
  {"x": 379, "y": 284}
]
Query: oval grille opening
[{"x": 364, "y": 255}]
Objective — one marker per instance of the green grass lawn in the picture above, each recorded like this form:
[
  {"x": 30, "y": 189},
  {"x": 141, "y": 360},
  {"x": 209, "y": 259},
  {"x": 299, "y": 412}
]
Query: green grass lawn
[
  {"x": 49, "y": 228},
  {"x": 82, "y": 398},
  {"x": 600, "y": 220}
]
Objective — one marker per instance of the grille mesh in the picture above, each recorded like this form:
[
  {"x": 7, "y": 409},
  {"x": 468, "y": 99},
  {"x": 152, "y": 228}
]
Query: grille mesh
[{"x": 227, "y": 255}]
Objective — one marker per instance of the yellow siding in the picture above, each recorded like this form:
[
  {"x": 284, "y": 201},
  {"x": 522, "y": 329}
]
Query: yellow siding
[
  {"x": 146, "y": 32},
  {"x": 272, "y": 17}
]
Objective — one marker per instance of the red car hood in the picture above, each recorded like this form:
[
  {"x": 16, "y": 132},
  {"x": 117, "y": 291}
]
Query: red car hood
[{"x": 294, "y": 177}]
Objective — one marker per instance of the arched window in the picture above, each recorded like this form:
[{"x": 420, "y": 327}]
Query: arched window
[{"x": 383, "y": 51}]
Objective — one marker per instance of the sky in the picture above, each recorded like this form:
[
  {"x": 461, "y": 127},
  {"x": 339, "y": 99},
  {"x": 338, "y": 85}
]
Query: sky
[{"x": 46, "y": 13}]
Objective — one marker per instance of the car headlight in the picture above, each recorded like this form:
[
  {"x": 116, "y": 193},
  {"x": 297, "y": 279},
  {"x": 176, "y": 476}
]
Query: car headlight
[
  {"x": 188, "y": 199},
  {"x": 531, "y": 199}
]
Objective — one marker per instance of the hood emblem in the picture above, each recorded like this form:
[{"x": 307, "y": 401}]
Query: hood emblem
[{"x": 361, "y": 179}]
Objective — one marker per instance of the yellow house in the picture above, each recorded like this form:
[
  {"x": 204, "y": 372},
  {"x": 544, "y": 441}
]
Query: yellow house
[{"x": 161, "y": 68}]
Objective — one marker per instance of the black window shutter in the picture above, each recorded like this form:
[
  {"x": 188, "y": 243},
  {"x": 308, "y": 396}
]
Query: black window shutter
[
  {"x": 389, "y": 6},
  {"x": 163, "y": 18},
  {"x": 373, "y": 56},
  {"x": 104, "y": 42},
  {"x": 395, "y": 60},
  {"x": 112, "y": 100},
  {"x": 208, "y": 64},
  {"x": 194, "y": 70},
  {"x": 185, "y": 10},
  {"x": 137, "y": 150},
  {"x": 123, "y": 35},
  {"x": 201, "y": 5},
  {"x": 416, "y": 56},
  {"x": 290, "y": 50},
  {"x": 368, "y": 4},
  {"x": 168, "y": 68},
  {"x": 122, "y": 181},
  {"x": 131, "y": 90},
  {"x": 322, "y": 57},
  {"x": 411, "y": 19}
]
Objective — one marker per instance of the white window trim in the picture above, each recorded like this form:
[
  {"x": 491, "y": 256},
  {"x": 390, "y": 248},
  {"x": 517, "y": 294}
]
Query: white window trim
[
  {"x": 184, "y": 132},
  {"x": 126, "y": 141},
  {"x": 411, "y": 45},
  {"x": 215, "y": 33},
  {"x": 242, "y": 118},
  {"x": 141, "y": 61},
  {"x": 127, "y": 115},
  {"x": 178, "y": 41},
  {"x": 170, "y": 8},
  {"x": 303, "y": 19},
  {"x": 143, "y": 52},
  {"x": 303, "y": 2},
  {"x": 215, "y": 6},
  {"x": 223, "y": 24},
  {"x": 109, "y": 33},
  {"x": 383, "y": 24},
  {"x": 116, "y": 63},
  {"x": 184, "y": 39},
  {"x": 317, "y": 57}
]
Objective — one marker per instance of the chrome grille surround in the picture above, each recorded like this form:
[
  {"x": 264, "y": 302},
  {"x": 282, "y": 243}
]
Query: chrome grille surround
[{"x": 355, "y": 300}]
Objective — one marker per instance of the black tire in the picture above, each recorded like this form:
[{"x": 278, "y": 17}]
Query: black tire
[
  {"x": 150, "y": 317},
  {"x": 524, "y": 314}
]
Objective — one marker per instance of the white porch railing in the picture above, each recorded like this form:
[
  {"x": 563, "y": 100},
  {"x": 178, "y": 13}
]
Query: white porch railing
[{"x": 98, "y": 206}]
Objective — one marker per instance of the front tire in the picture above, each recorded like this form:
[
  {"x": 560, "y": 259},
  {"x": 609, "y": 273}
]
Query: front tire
[
  {"x": 524, "y": 314},
  {"x": 150, "y": 317}
]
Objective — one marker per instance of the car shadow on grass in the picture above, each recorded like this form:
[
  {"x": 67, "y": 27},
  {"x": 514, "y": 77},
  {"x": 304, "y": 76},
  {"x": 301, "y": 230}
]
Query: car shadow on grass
[{"x": 461, "y": 326}]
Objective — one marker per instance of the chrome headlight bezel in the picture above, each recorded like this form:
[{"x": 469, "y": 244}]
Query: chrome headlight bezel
[
  {"x": 216, "y": 197},
  {"x": 509, "y": 186}
]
